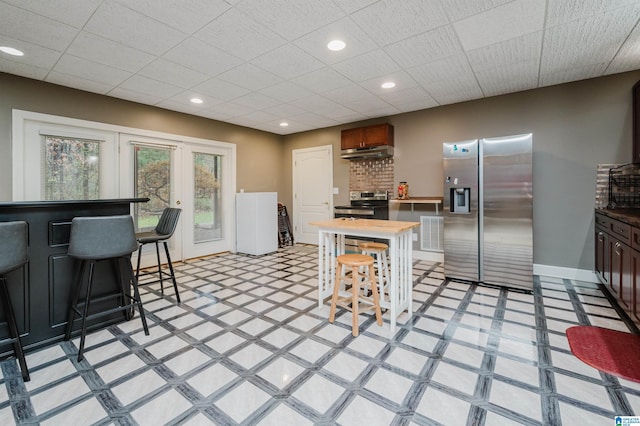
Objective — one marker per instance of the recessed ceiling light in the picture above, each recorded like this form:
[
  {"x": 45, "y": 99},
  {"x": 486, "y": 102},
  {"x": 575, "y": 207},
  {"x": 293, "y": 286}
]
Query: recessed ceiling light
[
  {"x": 284, "y": 124},
  {"x": 336, "y": 45},
  {"x": 11, "y": 51},
  {"x": 388, "y": 85},
  {"x": 197, "y": 100}
]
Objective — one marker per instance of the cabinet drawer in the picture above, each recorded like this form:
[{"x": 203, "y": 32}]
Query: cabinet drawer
[
  {"x": 635, "y": 239},
  {"x": 620, "y": 230},
  {"x": 602, "y": 220}
]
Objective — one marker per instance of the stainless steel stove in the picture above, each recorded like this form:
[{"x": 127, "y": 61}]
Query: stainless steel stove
[{"x": 371, "y": 204}]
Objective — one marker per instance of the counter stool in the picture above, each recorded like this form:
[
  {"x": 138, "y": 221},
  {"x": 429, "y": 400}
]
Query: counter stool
[
  {"x": 13, "y": 255},
  {"x": 162, "y": 232},
  {"x": 355, "y": 261},
  {"x": 94, "y": 239},
  {"x": 379, "y": 252}
]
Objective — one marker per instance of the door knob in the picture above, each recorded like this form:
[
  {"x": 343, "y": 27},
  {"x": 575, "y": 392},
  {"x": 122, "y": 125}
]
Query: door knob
[{"x": 178, "y": 202}]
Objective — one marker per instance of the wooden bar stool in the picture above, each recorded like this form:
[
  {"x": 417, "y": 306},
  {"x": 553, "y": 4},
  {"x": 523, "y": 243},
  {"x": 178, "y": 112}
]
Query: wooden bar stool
[
  {"x": 355, "y": 262},
  {"x": 379, "y": 252}
]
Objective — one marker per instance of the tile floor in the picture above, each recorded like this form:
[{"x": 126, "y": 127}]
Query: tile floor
[{"x": 248, "y": 345}]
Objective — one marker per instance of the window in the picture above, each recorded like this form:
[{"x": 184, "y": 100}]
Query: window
[{"x": 70, "y": 168}]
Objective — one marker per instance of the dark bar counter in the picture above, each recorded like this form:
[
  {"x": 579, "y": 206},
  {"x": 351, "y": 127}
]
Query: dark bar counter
[{"x": 40, "y": 291}]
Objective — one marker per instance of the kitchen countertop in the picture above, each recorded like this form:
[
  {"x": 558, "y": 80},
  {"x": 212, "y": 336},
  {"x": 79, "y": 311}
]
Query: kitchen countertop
[
  {"x": 630, "y": 216},
  {"x": 367, "y": 225}
]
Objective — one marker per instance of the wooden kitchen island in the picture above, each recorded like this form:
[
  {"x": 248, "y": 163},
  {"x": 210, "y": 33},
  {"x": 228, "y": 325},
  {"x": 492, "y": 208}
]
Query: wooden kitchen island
[
  {"x": 40, "y": 291},
  {"x": 331, "y": 236}
]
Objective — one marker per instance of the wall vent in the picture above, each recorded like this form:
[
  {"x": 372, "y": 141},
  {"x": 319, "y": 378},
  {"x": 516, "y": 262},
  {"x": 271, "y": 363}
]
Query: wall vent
[{"x": 432, "y": 233}]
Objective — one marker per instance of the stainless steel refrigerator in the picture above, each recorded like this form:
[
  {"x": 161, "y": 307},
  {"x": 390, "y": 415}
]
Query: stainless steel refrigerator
[{"x": 488, "y": 211}]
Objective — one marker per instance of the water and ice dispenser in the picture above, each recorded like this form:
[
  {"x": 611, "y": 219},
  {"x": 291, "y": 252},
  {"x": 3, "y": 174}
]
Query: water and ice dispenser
[{"x": 459, "y": 198}]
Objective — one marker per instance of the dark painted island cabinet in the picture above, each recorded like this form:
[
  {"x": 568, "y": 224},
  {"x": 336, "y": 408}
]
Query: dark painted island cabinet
[
  {"x": 617, "y": 257},
  {"x": 40, "y": 291}
]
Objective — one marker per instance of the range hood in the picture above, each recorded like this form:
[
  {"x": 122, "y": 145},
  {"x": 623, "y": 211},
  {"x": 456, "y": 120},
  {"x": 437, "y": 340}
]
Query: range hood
[{"x": 380, "y": 151}]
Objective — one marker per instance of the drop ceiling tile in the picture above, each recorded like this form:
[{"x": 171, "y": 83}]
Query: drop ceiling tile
[
  {"x": 261, "y": 117},
  {"x": 19, "y": 24},
  {"x": 586, "y": 41},
  {"x": 628, "y": 57},
  {"x": 231, "y": 109},
  {"x": 237, "y": 34},
  {"x": 287, "y": 61},
  {"x": 185, "y": 15},
  {"x": 291, "y": 19},
  {"x": 350, "y": 6},
  {"x": 460, "y": 9},
  {"x": 389, "y": 21},
  {"x": 101, "y": 50},
  {"x": 563, "y": 11},
  {"x": 283, "y": 110},
  {"x": 70, "y": 12},
  {"x": 510, "y": 20},
  {"x": 88, "y": 70},
  {"x": 400, "y": 78},
  {"x": 382, "y": 110},
  {"x": 185, "y": 97},
  {"x": 356, "y": 98},
  {"x": 172, "y": 105},
  {"x": 514, "y": 78},
  {"x": 214, "y": 115},
  {"x": 323, "y": 106},
  {"x": 78, "y": 82},
  {"x": 410, "y": 99},
  {"x": 573, "y": 73},
  {"x": 200, "y": 56},
  {"x": 256, "y": 100},
  {"x": 132, "y": 95},
  {"x": 23, "y": 70},
  {"x": 424, "y": 48},
  {"x": 250, "y": 77},
  {"x": 173, "y": 73},
  {"x": 454, "y": 90},
  {"x": 525, "y": 48},
  {"x": 443, "y": 69},
  {"x": 220, "y": 89},
  {"x": 286, "y": 91},
  {"x": 151, "y": 87},
  {"x": 116, "y": 22},
  {"x": 357, "y": 41},
  {"x": 314, "y": 120},
  {"x": 367, "y": 66},
  {"x": 37, "y": 56},
  {"x": 323, "y": 80}
]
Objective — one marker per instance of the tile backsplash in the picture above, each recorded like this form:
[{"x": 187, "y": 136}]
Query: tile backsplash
[{"x": 372, "y": 173}]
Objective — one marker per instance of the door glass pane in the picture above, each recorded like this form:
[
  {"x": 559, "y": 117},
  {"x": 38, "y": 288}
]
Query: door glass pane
[
  {"x": 207, "y": 218},
  {"x": 153, "y": 180},
  {"x": 71, "y": 169}
]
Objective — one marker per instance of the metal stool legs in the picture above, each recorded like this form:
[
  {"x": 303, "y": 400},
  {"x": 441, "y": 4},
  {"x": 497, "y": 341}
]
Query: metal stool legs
[
  {"x": 161, "y": 273},
  {"x": 13, "y": 329}
]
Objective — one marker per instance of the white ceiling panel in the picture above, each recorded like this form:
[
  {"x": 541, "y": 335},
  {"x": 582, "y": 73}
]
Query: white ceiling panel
[
  {"x": 288, "y": 61},
  {"x": 292, "y": 19},
  {"x": 171, "y": 72},
  {"x": 237, "y": 34},
  {"x": 200, "y": 56},
  {"x": 426, "y": 47},
  {"x": 116, "y": 22},
  {"x": 315, "y": 43},
  {"x": 70, "y": 12},
  {"x": 187, "y": 16},
  {"x": 510, "y": 20},
  {"x": 257, "y": 62},
  {"x": 367, "y": 66},
  {"x": 19, "y": 24},
  {"x": 389, "y": 21},
  {"x": 250, "y": 77},
  {"x": 103, "y": 51}
]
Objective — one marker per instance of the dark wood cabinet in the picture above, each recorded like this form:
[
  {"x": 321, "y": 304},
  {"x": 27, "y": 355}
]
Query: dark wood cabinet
[
  {"x": 617, "y": 262},
  {"x": 368, "y": 136},
  {"x": 636, "y": 122}
]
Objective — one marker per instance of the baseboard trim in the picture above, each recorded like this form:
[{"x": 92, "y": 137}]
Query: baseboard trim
[{"x": 538, "y": 269}]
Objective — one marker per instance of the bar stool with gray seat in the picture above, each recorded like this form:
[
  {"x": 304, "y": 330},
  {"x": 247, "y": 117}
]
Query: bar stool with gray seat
[
  {"x": 163, "y": 231},
  {"x": 13, "y": 255},
  {"x": 95, "y": 239}
]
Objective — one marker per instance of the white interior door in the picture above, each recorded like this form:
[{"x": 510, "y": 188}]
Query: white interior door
[
  {"x": 208, "y": 201},
  {"x": 312, "y": 191}
]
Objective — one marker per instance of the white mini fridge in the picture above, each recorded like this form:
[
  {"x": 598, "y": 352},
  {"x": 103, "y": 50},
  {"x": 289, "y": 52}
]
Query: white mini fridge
[{"x": 256, "y": 222}]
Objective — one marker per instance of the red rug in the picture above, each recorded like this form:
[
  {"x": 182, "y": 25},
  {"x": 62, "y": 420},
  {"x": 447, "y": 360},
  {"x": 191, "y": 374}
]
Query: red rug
[{"x": 611, "y": 351}]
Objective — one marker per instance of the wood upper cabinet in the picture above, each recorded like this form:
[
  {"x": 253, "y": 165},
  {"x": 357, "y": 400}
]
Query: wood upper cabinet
[{"x": 368, "y": 136}]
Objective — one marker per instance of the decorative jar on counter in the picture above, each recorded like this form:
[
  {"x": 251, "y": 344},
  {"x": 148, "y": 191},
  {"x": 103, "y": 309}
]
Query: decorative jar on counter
[{"x": 403, "y": 191}]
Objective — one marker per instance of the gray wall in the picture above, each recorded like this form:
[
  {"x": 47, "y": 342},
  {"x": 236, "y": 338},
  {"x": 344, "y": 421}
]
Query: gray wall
[
  {"x": 575, "y": 127},
  {"x": 258, "y": 152}
]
